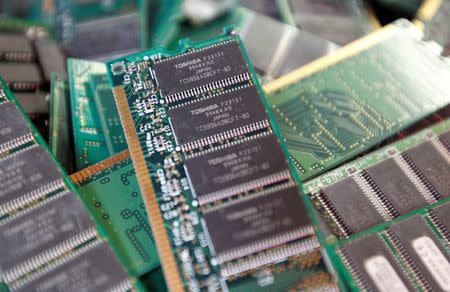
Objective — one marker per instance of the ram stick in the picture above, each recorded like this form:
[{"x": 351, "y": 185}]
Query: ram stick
[
  {"x": 108, "y": 114},
  {"x": 326, "y": 123},
  {"x": 44, "y": 227},
  {"x": 386, "y": 179},
  {"x": 155, "y": 91},
  {"x": 89, "y": 140},
  {"x": 61, "y": 132}
]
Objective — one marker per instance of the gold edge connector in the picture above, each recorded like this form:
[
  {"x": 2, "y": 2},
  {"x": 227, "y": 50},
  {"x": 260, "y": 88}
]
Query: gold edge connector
[
  {"x": 81, "y": 175},
  {"x": 343, "y": 53},
  {"x": 427, "y": 10},
  {"x": 167, "y": 258}
]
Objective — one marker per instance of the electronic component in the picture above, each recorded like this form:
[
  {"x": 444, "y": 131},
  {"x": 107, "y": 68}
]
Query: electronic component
[
  {"x": 97, "y": 39},
  {"x": 218, "y": 65},
  {"x": 371, "y": 263},
  {"x": 420, "y": 248},
  {"x": 348, "y": 207},
  {"x": 257, "y": 222},
  {"x": 155, "y": 92},
  {"x": 236, "y": 169},
  {"x": 47, "y": 230},
  {"x": 396, "y": 186},
  {"x": 445, "y": 139},
  {"x": 89, "y": 140},
  {"x": 431, "y": 163},
  {"x": 61, "y": 132},
  {"x": 25, "y": 176},
  {"x": 218, "y": 118},
  {"x": 21, "y": 76},
  {"x": 35, "y": 104},
  {"x": 440, "y": 215},
  {"x": 325, "y": 124},
  {"x": 108, "y": 114},
  {"x": 14, "y": 129},
  {"x": 92, "y": 268},
  {"x": 15, "y": 48},
  {"x": 51, "y": 57}
]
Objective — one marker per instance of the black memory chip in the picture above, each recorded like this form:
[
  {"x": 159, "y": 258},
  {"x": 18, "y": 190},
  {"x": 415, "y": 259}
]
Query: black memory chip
[
  {"x": 236, "y": 169},
  {"x": 371, "y": 263},
  {"x": 445, "y": 138},
  {"x": 12, "y": 125},
  {"x": 21, "y": 76},
  {"x": 15, "y": 47},
  {"x": 27, "y": 171},
  {"x": 442, "y": 213},
  {"x": 94, "y": 269},
  {"x": 218, "y": 115},
  {"x": 44, "y": 227},
  {"x": 396, "y": 186},
  {"x": 200, "y": 67},
  {"x": 433, "y": 165},
  {"x": 423, "y": 247},
  {"x": 353, "y": 206},
  {"x": 257, "y": 222}
]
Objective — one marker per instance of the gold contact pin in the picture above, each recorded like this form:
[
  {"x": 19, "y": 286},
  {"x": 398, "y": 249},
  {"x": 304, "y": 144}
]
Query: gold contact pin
[{"x": 168, "y": 261}]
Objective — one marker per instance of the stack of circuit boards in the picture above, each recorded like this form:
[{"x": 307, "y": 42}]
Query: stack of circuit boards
[{"x": 286, "y": 145}]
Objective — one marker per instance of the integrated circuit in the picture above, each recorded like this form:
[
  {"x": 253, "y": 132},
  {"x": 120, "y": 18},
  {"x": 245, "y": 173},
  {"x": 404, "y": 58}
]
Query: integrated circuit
[
  {"x": 445, "y": 139},
  {"x": 13, "y": 127},
  {"x": 371, "y": 263},
  {"x": 432, "y": 164},
  {"x": 415, "y": 241},
  {"x": 352, "y": 209},
  {"x": 94, "y": 268},
  {"x": 396, "y": 186},
  {"x": 27, "y": 175},
  {"x": 35, "y": 104},
  {"x": 51, "y": 57},
  {"x": 219, "y": 117},
  {"x": 50, "y": 229},
  {"x": 15, "y": 48},
  {"x": 21, "y": 76},
  {"x": 218, "y": 65},
  {"x": 257, "y": 222},
  {"x": 441, "y": 218},
  {"x": 236, "y": 169}
]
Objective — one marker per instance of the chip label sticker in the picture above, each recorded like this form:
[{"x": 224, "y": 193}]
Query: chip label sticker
[
  {"x": 434, "y": 260},
  {"x": 384, "y": 275}
]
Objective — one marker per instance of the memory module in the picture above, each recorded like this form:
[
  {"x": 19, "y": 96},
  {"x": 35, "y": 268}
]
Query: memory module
[
  {"x": 387, "y": 214},
  {"x": 202, "y": 107},
  {"x": 47, "y": 236},
  {"x": 343, "y": 104}
]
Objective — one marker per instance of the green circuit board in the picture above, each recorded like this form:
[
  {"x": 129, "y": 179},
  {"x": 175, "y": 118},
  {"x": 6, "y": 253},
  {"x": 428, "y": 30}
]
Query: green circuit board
[
  {"x": 433, "y": 18},
  {"x": 111, "y": 193},
  {"x": 47, "y": 236},
  {"x": 108, "y": 114},
  {"x": 61, "y": 138},
  {"x": 215, "y": 80},
  {"x": 399, "y": 190},
  {"x": 89, "y": 140},
  {"x": 332, "y": 109}
]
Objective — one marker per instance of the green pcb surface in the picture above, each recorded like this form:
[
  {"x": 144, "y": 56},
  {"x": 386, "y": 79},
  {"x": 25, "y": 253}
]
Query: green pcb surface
[
  {"x": 108, "y": 114},
  {"x": 176, "y": 216},
  {"x": 439, "y": 136},
  {"x": 61, "y": 135},
  {"x": 343, "y": 104},
  {"x": 89, "y": 140},
  {"x": 111, "y": 193}
]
